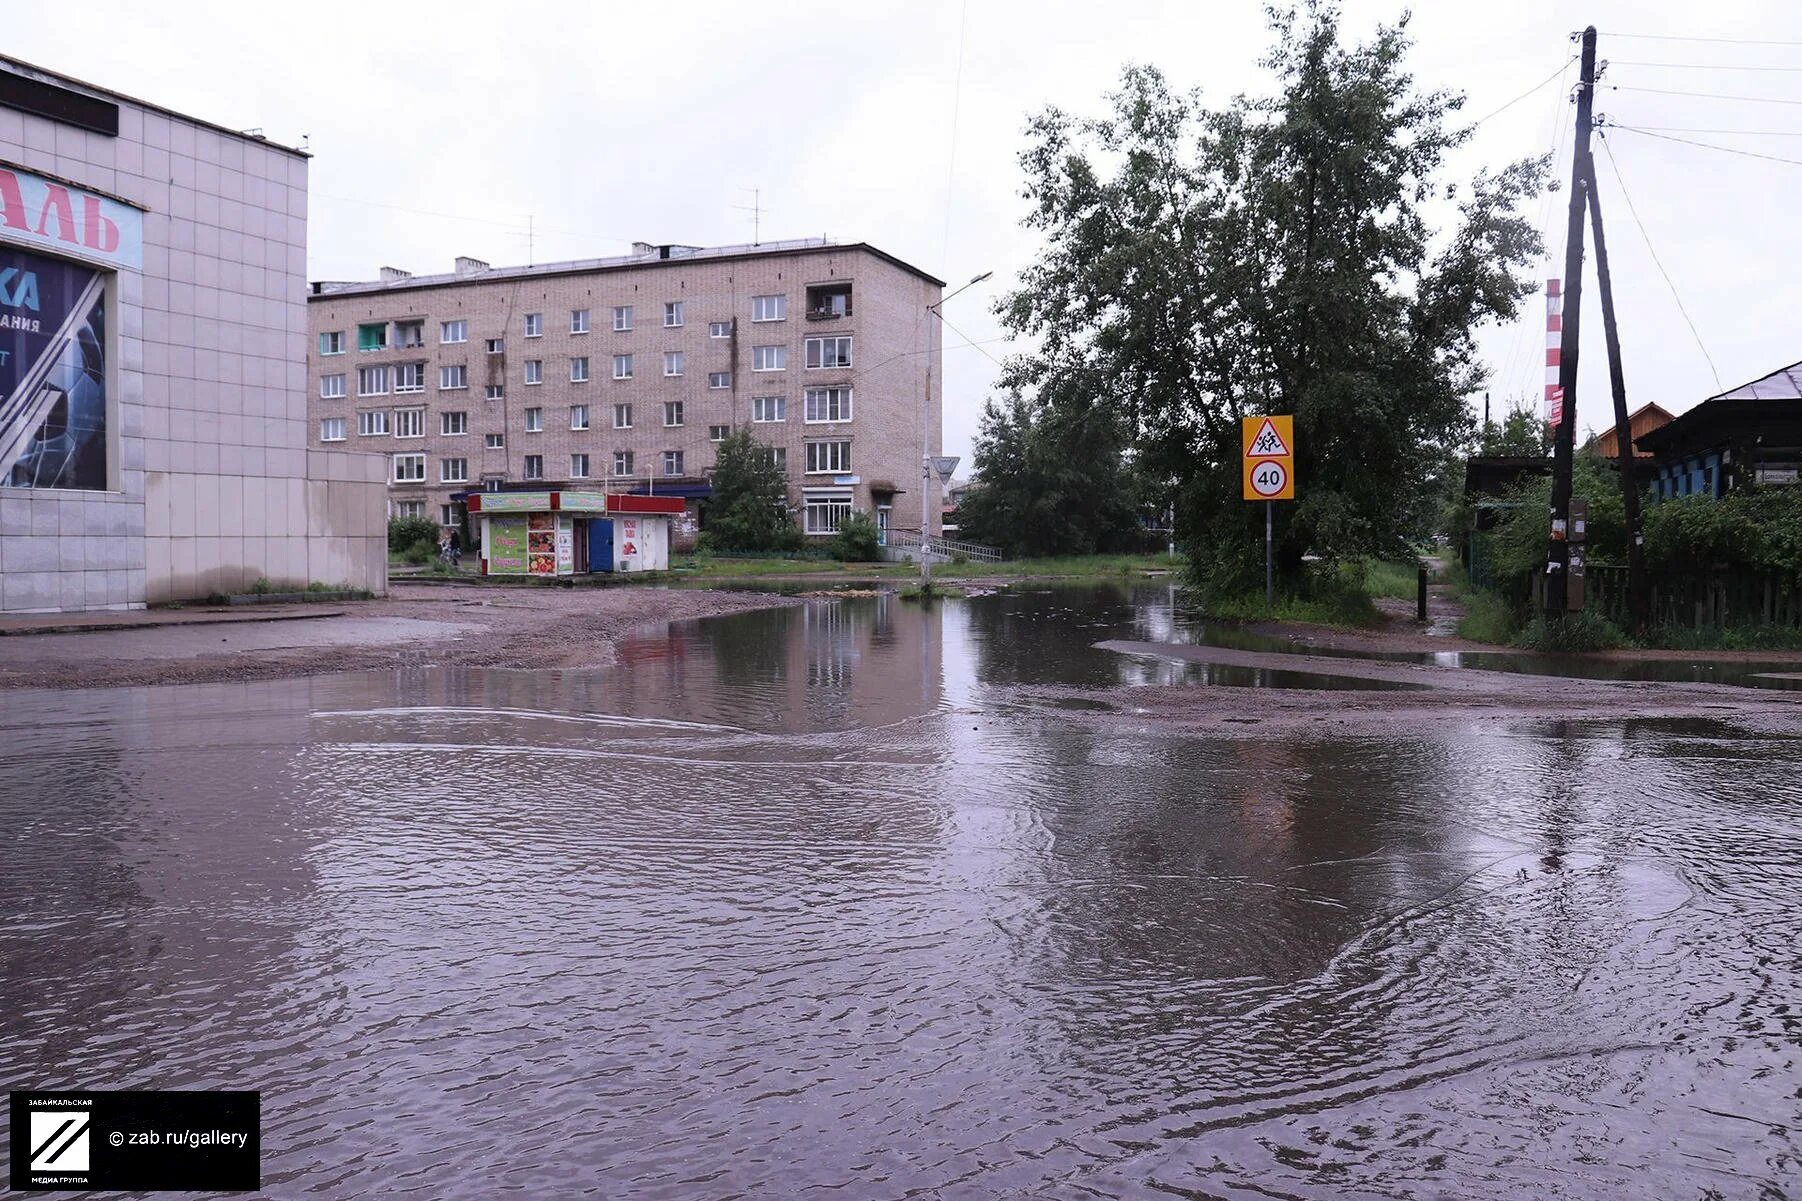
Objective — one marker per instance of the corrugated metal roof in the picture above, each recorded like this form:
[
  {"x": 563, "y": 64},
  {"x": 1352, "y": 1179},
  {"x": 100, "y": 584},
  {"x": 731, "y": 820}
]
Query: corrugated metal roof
[{"x": 1783, "y": 384}]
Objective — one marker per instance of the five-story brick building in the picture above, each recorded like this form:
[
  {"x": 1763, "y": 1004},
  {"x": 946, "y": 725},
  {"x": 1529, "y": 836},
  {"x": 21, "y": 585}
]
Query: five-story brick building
[{"x": 625, "y": 373}]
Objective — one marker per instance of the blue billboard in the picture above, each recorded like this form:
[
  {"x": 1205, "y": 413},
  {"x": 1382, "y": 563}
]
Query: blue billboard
[{"x": 52, "y": 373}]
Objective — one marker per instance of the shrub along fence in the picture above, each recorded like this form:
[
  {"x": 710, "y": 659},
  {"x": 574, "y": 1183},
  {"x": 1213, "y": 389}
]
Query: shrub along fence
[{"x": 1696, "y": 599}]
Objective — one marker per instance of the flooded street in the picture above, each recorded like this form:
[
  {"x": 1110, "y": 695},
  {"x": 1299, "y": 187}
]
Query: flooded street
[{"x": 837, "y": 899}]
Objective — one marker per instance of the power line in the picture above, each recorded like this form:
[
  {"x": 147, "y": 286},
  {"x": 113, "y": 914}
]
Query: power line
[
  {"x": 1614, "y": 168},
  {"x": 1646, "y": 132},
  {"x": 1621, "y": 87},
  {"x": 1673, "y": 37},
  {"x": 1562, "y": 67},
  {"x": 1547, "y": 204},
  {"x": 1760, "y": 133},
  {"x": 978, "y": 345},
  {"x": 1628, "y": 62}
]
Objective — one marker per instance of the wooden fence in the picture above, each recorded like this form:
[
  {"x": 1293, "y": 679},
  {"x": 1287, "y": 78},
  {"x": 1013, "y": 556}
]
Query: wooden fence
[{"x": 1692, "y": 599}]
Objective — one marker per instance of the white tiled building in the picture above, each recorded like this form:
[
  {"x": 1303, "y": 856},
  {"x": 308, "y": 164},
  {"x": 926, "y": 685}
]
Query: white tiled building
[{"x": 153, "y": 326}]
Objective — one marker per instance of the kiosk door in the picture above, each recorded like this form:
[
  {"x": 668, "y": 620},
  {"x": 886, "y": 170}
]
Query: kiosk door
[{"x": 600, "y": 544}]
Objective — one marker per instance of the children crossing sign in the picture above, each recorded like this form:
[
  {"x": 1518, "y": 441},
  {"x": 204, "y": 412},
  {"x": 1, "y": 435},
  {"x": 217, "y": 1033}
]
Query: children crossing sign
[{"x": 1269, "y": 457}]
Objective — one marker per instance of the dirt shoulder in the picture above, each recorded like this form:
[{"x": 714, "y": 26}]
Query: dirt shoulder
[
  {"x": 1377, "y": 697},
  {"x": 417, "y": 626}
]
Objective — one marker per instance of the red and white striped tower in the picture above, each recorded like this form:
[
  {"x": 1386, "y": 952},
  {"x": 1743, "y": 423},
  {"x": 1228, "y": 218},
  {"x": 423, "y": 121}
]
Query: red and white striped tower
[{"x": 1554, "y": 333}]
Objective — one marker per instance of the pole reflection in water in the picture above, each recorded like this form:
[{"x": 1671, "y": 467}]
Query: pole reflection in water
[{"x": 822, "y": 897}]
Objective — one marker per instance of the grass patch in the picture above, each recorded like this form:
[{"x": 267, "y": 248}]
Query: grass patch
[
  {"x": 1072, "y": 567},
  {"x": 1759, "y": 637},
  {"x": 1398, "y": 580},
  {"x": 930, "y": 591},
  {"x": 1487, "y": 618},
  {"x": 1574, "y": 634},
  {"x": 1325, "y": 596}
]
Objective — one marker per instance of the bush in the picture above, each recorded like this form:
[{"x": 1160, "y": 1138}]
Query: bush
[
  {"x": 262, "y": 587},
  {"x": 858, "y": 540},
  {"x": 1575, "y": 633},
  {"x": 419, "y": 554},
  {"x": 405, "y": 532}
]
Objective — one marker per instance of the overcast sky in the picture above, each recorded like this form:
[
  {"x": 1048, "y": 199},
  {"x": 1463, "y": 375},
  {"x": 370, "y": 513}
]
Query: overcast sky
[{"x": 438, "y": 128}]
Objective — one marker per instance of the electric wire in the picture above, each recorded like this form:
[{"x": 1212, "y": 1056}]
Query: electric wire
[
  {"x": 1562, "y": 68},
  {"x": 1518, "y": 364},
  {"x": 1620, "y": 181},
  {"x": 1645, "y": 131},
  {"x": 1622, "y": 87},
  {"x": 1675, "y": 37},
  {"x": 1628, "y": 62}
]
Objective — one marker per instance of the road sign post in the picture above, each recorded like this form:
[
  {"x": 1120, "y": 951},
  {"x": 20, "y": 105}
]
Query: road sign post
[{"x": 1267, "y": 465}]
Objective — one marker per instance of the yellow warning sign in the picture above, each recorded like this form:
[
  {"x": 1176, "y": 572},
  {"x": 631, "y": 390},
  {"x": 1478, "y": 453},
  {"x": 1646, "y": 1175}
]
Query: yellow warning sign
[{"x": 1269, "y": 457}]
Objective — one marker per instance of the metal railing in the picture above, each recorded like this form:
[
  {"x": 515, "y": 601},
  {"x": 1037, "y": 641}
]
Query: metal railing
[{"x": 942, "y": 548}]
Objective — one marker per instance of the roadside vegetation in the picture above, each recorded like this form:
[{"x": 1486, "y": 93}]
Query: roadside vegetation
[
  {"x": 708, "y": 565},
  {"x": 1753, "y": 533}
]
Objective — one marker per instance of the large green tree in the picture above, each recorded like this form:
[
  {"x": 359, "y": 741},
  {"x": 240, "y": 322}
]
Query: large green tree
[
  {"x": 1273, "y": 255},
  {"x": 1055, "y": 478},
  {"x": 749, "y": 506}
]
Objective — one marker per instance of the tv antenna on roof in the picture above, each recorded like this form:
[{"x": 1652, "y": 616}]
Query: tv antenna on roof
[{"x": 755, "y": 208}]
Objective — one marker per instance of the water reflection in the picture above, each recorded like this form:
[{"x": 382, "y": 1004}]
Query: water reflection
[{"x": 822, "y": 898}]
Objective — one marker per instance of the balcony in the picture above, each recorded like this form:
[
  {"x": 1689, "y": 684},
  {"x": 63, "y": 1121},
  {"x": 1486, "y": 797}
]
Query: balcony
[{"x": 828, "y": 302}]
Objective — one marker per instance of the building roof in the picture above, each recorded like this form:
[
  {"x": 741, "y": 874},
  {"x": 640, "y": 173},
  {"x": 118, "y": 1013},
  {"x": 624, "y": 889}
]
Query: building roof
[
  {"x": 643, "y": 254},
  {"x": 1785, "y": 383},
  {"x": 1640, "y": 422},
  {"x": 1767, "y": 407},
  {"x": 20, "y": 66}
]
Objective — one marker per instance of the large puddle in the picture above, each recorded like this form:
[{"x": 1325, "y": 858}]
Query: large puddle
[{"x": 819, "y": 901}]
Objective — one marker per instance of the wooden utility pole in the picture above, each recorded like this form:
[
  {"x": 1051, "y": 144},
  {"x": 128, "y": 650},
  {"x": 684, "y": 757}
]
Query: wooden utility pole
[
  {"x": 1623, "y": 431},
  {"x": 1557, "y": 576}
]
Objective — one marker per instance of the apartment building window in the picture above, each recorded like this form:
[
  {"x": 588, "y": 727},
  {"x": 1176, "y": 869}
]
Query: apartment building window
[
  {"x": 372, "y": 423},
  {"x": 409, "y": 377},
  {"x": 578, "y": 467},
  {"x": 578, "y": 370},
  {"x": 719, "y": 379},
  {"x": 495, "y": 392},
  {"x": 622, "y": 318},
  {"x": 453, "y": 377},
  {"x": 409, "y": 508},
  {"x": 534, "y": 325},
  {"x": 332, "y": 343},
  {"x": 331, "y": 429},
  {"x": 453, "y": 331},
  {"x": 769, "y": 308},
  {"x": 672, "y": 362},
  {"x": 769, "y": 358},
  {"x": 622, "y": 366},
  {"x": 578, "y": 321},
  {"x": 778, "y": 457},
  {"x": 497, "y": 346},
  {"x": 827, "y": 404},
  {"x": 828, "y": 457},
  {"x": 672, "y": 314},
  {"x": 453, "y": 471},
  {"x": 672, "y": 412},
  {"x": 448, "y": 515},
  {"x": 534, "y": 467},
  {"x": 718, "y": 433},
  {"x": 719, "y": 329},
  {"x": 672, "y": 462},
  {"x": 622, "y": 462},
  {"x": 578, "y": 417},
  {"x": 409, "y": 334},
  {"x": 622, "y": 417},
  {"x": 769, "y": 408},
  {"x": 372, "y": 381},
  {"x": 372, "y": 336},
  {"x": 409, "y": 423},
  {"x": 453, "y": 424},
  {"x": 331, "y": 387},
  {"x": 829, "y": 352},
  {"x": 409, "y": 469},
  {"x": 494, "y": 441},
  {"x": 823, "y": 514},
  {"x": 534, "y": 420},
  {"x": 534, "y": 371}
]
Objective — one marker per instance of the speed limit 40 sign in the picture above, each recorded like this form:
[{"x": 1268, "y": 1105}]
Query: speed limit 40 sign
[{"x": 1268, "y": 462}]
